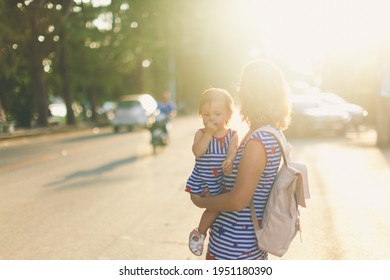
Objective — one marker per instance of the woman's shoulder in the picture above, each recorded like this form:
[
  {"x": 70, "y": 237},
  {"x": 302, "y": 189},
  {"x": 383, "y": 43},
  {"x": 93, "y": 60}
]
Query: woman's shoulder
[
  {"x": 231, "y": 132},
  {"x": 261, "y": 134},
  {"x": 264, "y": 137}
]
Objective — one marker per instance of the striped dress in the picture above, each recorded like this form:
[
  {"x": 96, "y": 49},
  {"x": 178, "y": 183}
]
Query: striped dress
[
  {"x": 207, "y": 172},
  {"x": 232, "y": 234}
]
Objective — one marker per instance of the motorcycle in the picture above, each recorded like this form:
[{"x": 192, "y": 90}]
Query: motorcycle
[{"x": 159, "y": 132}]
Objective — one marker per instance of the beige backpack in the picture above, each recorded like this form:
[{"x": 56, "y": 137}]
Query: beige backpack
[{"x": 281, "y": 219}]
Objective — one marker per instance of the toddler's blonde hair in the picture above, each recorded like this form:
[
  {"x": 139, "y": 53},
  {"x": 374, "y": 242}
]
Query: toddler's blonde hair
[{"x": 216, "y": 94}]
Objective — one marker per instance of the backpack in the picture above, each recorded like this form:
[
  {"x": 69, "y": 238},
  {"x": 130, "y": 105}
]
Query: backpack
[{"x": 281, "y": 218}]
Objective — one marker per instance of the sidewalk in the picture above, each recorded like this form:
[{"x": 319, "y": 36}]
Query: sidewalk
[{"x": 28, "y": 132}]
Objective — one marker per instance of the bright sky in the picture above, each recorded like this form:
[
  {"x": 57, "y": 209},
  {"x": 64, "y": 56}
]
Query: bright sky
[{"x": 300, "y": 30}]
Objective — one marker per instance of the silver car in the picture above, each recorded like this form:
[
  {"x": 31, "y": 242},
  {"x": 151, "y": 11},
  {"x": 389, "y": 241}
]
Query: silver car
[
  {"x": 357, "y": 113},
  {"x": 310, "y": 115},
  {"x": 134, "y": 111}
]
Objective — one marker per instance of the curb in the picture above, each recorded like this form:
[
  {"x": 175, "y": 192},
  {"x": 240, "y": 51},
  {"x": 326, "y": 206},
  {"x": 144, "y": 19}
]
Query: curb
[{"x": 20, "y": 133}]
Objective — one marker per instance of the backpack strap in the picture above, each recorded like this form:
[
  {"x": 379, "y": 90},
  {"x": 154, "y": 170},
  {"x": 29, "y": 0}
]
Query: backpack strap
[
  {"x": 280, "y": 138},
  {"x": 253, "y": 215},
  {"x": 303, "y": 193},
  {"x": 285, "y": 150},
  {"x": 282, "y": 142}
]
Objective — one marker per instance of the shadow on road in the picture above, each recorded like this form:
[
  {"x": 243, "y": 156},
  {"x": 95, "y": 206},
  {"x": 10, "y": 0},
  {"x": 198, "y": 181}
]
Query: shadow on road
[{"x": 91, "y": 174}]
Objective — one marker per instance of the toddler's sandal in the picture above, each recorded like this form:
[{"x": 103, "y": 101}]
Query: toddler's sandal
[{"x": 196, "y": 242}]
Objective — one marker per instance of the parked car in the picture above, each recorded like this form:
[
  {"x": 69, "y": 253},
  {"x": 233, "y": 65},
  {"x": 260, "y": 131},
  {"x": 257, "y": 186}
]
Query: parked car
[
  {"x": 57, "y": 110},
  {"x": 357, "y": 113},
  {"x": 310, "y": 115},
  {"x": 134, "y": 111}
]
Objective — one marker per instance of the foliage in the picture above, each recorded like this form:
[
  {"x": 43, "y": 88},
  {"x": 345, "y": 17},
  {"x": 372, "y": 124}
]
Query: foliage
[
  {"x": 99, "y": 62},
  {"x": 88, "y": 53}
]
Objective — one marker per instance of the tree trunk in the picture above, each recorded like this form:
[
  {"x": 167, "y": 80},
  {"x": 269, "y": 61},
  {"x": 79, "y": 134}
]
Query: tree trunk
[
  {"x": 3, "y": 118},
  {"x": 63, "y": 67},
  {"x": 63, "y": 70},
  {"x": 37, "y": 74},
  {"x": 93, "y": 103}
]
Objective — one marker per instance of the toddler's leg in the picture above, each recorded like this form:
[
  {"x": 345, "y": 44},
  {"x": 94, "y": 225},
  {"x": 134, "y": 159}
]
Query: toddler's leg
[
  {"x": 198, "y": 235},
  {"x": 207, "y": 220}
]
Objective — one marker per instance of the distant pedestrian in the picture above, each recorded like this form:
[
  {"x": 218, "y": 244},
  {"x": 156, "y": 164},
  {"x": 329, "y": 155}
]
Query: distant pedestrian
[
  {"x": 215, "y": 148},
  {"x": 264, "y": 102}
]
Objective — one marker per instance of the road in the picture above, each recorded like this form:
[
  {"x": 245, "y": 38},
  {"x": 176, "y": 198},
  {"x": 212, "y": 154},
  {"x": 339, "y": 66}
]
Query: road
[{"x": 96, "y": 195}]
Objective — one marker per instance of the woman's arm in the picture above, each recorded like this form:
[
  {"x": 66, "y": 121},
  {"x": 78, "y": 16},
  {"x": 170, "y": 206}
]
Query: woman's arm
[{"x": 249, "y": 173}]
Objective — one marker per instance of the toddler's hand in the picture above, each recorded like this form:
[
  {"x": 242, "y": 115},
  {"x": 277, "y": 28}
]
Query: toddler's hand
[
  {"x": 211, "y": 128},
  {"x": 227, "y": 166}
]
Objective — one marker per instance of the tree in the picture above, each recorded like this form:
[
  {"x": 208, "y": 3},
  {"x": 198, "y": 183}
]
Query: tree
[
  {"x": 58, "y": 47},
  {"x": 15, "y": 74},
  {"x": 63, "y": 58},
  {"x": 37, "y": 17}
]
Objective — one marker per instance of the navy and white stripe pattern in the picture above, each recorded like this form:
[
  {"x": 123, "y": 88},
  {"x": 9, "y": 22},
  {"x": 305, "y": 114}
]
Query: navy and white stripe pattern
[
  {"x": 207, "y": 172},
  {"x": 232, "y": 234}
]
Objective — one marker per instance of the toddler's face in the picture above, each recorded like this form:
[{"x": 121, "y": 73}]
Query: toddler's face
[{"x": 215, "y": 112}]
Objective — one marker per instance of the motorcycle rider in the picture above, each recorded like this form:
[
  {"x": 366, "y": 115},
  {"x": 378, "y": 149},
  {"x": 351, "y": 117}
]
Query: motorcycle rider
[
  {"x": 166, "y": 111},
  {"x": 167, "y": 107}
]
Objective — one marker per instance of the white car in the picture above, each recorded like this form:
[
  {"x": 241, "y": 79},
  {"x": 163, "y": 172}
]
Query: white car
[{"x": 134, "y": 111}]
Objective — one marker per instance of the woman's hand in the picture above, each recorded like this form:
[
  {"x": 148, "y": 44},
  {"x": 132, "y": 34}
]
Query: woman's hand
[
  {"x": 205, "y": 193},
  {"x": 197, "y": 198}
]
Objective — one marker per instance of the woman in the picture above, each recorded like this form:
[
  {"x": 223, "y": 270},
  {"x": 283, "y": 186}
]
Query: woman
[{"x": 264, "y": 102}]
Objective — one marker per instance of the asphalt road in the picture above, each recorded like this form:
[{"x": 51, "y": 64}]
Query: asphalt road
[{"x": 97, "y": 195}]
